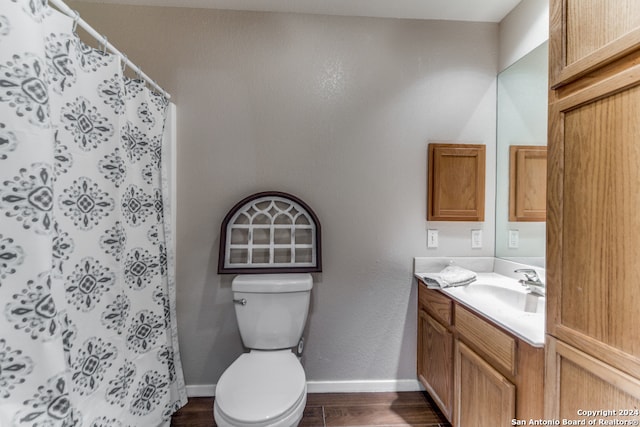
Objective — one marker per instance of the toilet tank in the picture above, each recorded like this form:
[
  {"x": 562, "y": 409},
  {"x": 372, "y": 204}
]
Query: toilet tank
[{"x": 271, "y": 308}]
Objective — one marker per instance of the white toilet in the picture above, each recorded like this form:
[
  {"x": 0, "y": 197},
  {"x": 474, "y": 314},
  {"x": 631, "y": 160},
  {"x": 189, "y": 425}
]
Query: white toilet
[{"x": 267, "y": 386}]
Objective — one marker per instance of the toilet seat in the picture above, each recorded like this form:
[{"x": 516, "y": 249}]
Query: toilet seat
[{"x": 261, "y": 388}]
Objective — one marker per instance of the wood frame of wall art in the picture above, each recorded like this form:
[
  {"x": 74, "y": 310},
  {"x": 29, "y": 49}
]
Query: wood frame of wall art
[{"x": 270, "y": 232}]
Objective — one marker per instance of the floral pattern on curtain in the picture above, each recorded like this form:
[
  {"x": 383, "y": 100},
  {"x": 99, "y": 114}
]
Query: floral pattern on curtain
[{"x": 88, "y": 335}]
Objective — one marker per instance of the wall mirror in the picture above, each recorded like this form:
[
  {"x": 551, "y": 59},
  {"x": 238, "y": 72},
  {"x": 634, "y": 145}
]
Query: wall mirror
[{"x": 522, "y": 101}]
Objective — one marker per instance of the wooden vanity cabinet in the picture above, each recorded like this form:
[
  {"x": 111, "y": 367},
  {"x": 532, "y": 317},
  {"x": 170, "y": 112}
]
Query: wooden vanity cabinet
[
  {"x": 456, "y": 181},
  {"x": 477, "y": 373}
]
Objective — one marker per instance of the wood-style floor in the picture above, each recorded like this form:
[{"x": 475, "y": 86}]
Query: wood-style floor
[{"x": 415, "y": 409}]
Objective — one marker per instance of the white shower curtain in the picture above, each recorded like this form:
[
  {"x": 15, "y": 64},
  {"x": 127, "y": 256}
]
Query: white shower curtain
[{"x": 87, "y": 306}]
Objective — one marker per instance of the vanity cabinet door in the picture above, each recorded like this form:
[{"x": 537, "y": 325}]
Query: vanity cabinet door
[
  {"x": 435, "y": 361},
  {"x": 483, "y": 397},
  {"x": 456, "y": 182}
]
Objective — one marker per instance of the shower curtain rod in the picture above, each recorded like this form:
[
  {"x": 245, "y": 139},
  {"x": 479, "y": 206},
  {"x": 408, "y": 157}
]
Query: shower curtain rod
[{"x": 103, "y": 40}]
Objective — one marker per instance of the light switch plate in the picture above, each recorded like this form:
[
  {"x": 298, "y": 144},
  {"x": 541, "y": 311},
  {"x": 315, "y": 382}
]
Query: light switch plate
[
  {"x": 432, "y": 238},
  {"x": 476, "y": 239},
  {"x": 514, "y": 239}
]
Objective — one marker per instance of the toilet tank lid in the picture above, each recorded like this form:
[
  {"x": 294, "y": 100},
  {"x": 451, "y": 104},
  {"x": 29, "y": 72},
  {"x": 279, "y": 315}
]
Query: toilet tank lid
[{"x": 272, "y": 283}]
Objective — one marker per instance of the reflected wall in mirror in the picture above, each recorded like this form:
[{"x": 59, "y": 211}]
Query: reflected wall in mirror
[{"x": 521, "y": 121}]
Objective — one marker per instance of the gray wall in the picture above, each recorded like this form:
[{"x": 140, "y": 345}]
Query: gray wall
[
  {"x": 522, "y": 30},
  {"x": 337, "y": 111}
]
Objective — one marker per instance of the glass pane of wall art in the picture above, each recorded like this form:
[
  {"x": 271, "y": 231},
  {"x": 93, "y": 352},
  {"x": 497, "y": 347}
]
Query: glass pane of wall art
[{"x": 270, "y": 232}]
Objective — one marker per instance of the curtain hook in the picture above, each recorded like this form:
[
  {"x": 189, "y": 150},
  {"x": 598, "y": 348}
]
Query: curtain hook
[
  {"x": 153, "y": 85},
  {"x": 124, "y": 59},
  {"x": 139, "y": 74},
  {"x": 104, "y": 45},
  {"x": 76, "y": 18}
]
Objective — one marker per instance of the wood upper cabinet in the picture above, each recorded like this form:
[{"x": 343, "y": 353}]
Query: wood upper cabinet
[
  {"x": 589, "y": 34},
  {"x": 456, "y": 181},
  {"x": 527, "y": 183},
  {"x": 594, "y": 265},
  {"x": 593, "y": 220}
]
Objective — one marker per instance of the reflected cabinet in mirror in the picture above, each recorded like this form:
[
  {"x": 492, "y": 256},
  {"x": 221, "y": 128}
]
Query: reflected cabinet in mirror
[
  {"x": 527, "y": 183},
  {"x": 521, "y": 158}
]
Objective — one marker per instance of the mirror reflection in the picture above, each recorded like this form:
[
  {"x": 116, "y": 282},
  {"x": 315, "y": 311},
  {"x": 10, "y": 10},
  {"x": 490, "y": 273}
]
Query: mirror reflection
[{"x": 521, "y": 127}]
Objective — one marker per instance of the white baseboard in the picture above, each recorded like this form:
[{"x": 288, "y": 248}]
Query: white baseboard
[
  {"x": 364, "y": 386},
  {"x": 201, "y": 390}
]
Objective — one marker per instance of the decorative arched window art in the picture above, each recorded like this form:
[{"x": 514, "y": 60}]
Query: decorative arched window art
[{"x": 270, "y": 232}]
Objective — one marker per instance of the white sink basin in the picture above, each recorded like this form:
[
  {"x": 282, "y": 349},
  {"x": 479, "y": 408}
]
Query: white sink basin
[
  {"x": 506, "y": 302},
  {"x": 507, "y": 298}
]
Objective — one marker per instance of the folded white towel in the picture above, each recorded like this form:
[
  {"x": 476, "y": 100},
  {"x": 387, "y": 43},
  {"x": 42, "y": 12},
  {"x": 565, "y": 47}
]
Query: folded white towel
[
  {"x": 449, "y": 276},
  {"x": 457, "y": 275}
]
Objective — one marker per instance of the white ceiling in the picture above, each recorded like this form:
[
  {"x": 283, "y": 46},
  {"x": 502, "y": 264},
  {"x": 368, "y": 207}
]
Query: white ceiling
[{"x": 455, "y": 10}]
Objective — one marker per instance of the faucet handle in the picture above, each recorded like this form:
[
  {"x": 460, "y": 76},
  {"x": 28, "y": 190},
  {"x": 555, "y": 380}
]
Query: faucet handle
[{"x": 529, "y": 273}]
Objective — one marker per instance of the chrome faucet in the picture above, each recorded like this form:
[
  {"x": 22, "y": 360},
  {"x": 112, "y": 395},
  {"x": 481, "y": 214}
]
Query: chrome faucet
[{"x": 531, "y": 281}]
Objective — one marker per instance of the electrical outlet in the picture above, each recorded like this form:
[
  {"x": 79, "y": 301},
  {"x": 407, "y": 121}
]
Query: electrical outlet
[
  {"x": 432, "y": 238},
  {"x": 476, "y": 239},
  {"x": 514, "y": 239}
]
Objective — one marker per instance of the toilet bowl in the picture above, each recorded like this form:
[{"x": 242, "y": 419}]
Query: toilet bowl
[
  {"x": 261, "y": 389},
  {"x": 267, "y": 386}
]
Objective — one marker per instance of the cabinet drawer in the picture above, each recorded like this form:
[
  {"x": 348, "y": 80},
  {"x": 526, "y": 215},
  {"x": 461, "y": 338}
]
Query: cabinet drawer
[
  {"x": 499, "y": 347},
  {"x": 436, "y": 304}
]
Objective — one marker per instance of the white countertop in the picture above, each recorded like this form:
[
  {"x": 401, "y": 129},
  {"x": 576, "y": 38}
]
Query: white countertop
[{"x": 530, "y": 327}]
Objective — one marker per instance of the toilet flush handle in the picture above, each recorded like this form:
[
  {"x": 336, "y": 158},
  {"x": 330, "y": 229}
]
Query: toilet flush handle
[{"x": 241, "y": 301}]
